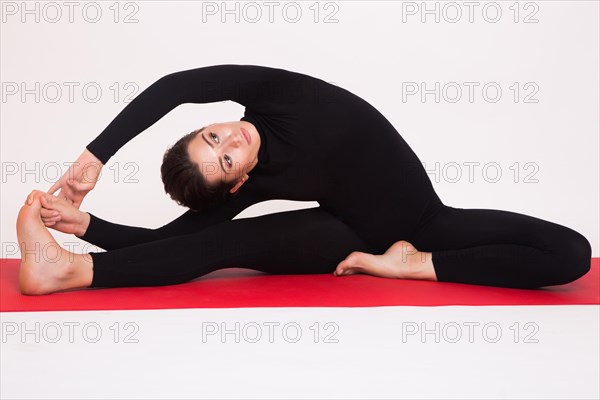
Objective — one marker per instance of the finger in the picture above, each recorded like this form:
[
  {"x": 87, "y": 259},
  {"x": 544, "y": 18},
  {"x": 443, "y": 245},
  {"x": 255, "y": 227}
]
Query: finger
[
  {"x": 48, "y": 213},
  {"x": 49, "y": 223},
  {"x": 52, "y": 219},
  {"x": 55, "y": 187},
  {"x": 81, "y": 186},
  {"x": 45, "y": 213}
]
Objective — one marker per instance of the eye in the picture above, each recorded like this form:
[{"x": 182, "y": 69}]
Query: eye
[{"x": 227, "y": 158}]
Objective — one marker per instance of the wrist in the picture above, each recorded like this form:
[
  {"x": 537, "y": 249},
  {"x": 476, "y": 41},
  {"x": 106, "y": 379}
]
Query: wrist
[{"x": 92, "y": 157}]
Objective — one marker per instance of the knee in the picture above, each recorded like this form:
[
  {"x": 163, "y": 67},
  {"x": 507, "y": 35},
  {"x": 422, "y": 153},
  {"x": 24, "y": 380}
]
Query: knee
[{"x": 575, "y": 256}]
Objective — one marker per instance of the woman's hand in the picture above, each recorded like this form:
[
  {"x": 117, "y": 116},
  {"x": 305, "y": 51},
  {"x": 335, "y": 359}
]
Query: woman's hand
[
  {"x": 63, "y": 216},
  {"x": 80, "y": 178}
]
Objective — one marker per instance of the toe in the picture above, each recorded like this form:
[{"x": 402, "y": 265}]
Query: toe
[
  {"x": 33, "y": 196},
  {"x": 341, "y": 267},
  {"x": 338, "y": 270}
]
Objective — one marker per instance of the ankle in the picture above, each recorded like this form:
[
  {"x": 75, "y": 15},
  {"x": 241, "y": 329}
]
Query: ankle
[
  {"x": 421, "y": 266},
  {"x": 83, "y": 225},
  {"x": 79, "y": 272}
]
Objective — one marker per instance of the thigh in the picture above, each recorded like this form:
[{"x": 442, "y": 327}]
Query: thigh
[
  {"x": 451, "y": 228},
  {"x": 502, "y": 248}
]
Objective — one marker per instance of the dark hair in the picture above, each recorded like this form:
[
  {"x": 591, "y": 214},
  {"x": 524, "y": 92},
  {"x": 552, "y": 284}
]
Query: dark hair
[{"x": 184, "y": 182}]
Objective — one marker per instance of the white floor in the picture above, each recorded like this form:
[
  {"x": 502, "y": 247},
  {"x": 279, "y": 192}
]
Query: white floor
[{"x": 549, "y": 352}]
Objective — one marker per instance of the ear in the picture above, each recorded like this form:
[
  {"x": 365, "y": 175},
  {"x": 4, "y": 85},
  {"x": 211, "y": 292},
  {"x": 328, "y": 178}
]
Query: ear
[{"x": 239, "y": 184}]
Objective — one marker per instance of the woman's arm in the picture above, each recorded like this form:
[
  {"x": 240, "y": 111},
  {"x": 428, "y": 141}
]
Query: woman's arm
[
  {"x": 79, "y": 179},
  {"x": 109, "y": 236},
  {"x": 260, "y": 88}
]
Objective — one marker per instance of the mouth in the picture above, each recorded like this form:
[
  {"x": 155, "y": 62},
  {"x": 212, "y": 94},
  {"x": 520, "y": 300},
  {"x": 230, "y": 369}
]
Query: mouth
[{"x": 246, "y": 135}]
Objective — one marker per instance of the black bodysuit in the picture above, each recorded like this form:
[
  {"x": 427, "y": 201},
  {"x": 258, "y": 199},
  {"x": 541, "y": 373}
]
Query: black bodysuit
[{"x": 319, "y": 142}]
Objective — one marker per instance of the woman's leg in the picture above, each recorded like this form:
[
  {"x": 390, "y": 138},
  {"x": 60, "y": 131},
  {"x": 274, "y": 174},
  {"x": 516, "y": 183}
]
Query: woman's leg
[
  {"x": 306, "y": 241},
  {"x": 501, "y": 248}
]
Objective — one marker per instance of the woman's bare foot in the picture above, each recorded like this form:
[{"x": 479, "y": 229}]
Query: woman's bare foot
[
  {"x": 58, "y": 213},
  {"x": 401, "y": 261},
  {"x": 45, "y": 266}
]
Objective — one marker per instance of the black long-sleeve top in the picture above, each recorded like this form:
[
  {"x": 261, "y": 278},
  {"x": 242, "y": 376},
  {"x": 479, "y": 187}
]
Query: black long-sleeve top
[{"x": 319, "y": 142}]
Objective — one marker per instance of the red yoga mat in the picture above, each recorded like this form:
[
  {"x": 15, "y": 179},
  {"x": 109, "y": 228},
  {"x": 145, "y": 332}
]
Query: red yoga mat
[{"x": 240, "y": 287}]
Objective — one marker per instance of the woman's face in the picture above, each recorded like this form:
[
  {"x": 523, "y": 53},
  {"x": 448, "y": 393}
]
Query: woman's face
[{"x": 226, "y": 151}]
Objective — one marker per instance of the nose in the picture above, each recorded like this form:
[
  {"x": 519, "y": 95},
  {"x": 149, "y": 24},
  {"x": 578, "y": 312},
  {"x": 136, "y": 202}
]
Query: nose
[{"x": 234, "y": 139}]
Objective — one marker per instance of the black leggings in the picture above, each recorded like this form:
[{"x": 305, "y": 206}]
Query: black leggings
[{"x": 473, "y": 246}]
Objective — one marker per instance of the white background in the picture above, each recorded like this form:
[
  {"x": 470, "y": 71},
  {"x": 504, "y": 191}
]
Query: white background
[{"x": 370, "y": 51}]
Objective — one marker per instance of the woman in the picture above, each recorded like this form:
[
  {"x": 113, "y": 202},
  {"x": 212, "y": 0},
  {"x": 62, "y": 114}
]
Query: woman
[{"x": 300, "y": 139}]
